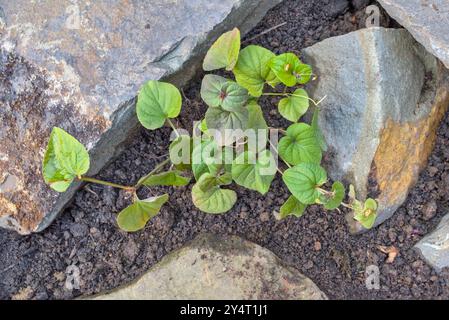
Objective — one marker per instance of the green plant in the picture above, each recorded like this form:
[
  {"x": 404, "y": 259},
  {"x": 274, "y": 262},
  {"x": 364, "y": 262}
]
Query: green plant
[{"x": 231, "y": 143}]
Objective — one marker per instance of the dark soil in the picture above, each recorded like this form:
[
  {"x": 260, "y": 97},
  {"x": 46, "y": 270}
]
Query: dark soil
[{"x": 318, "y": 244}]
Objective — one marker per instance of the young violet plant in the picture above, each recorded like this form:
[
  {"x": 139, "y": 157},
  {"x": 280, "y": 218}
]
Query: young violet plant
[{"x": 233, "y": 143}]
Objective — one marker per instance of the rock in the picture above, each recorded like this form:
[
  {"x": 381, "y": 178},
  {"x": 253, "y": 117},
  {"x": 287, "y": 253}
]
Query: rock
[
  {"x": 427, "y": 21},
  {"x": 435, "y": 247},
  {"x": 219, "y": 268},
  {"x": 429, "y": 210},
  {"x": 386, "y": 96},
  {"x": 359, "y": 4},
  {"x": 78, "y": 65},
  {"x": 336, "y": 7}
]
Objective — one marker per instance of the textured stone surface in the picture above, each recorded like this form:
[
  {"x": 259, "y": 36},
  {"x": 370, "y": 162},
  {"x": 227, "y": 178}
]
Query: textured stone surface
[
  {"x": 435, "y": 246},
  {"x": 219, "y": 268},
  {"x": 78, "y": 65},
  {"x": 385, "y": 98},
  {"x": 426, "y": 20}
]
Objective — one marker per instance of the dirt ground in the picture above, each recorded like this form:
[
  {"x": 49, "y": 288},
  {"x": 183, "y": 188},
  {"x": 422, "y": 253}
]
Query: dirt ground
[{"x": 318, "y": 244}]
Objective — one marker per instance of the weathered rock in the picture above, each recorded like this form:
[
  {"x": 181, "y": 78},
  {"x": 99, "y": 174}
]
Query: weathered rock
[
  {"x": 386, "y": 96},
  {"x": 219, "y": 268},
  {"x": 78, "y": 65},
  {"x": 426, "y": 20},
  {"x": 435, "y": 246}
]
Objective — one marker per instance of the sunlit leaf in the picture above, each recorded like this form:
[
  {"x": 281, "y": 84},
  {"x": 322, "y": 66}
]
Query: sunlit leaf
[
  {"x": 251, "y": 70},
  {"x": 295, "y": 106},
  {"x": 284, "y": 66},
  {"x": 303, "y": 73},
  {"x": 333, "y": 200},
  {"x": 64, "y": 159},
  {"x": 210, "y": 198},
  {"x": 367, "y": 213},
  {"x": 224, "y": 52},
  {"x": 168, "y": 178},
  {"x": 136, "y": 216}
]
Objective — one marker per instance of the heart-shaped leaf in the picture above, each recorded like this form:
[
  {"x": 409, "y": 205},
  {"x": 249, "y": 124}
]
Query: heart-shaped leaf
[
  {"x": 210, "y": 198},
  {"x": 224, "y": 52},
  {"x": 299, "y": 145},
  {"x": 365, "y": 214},
  {"x": 64, "y": 159},
  {"x": 292, "y": 207},
  {"x": 136, "y": 216},
  {"x": 157, "y": 101},
  {"x": 284, "y": 66},
  {"x": 251, "y": 70},
  {"x": 303, "y": 73},
  {"x": 168, "y": 178},
  {"x": 180, "y": 151},
  {"x": 334, "y": 199},
  {"x": 254, "y": 172},
  {"x": 211, "y": 89},
  {"x": 295, "y": 106},
  {"x": 304, "y": 181},
  {"x": 233, "y": 96},
  {"x": 226, "y": 126},
  {"x": 218, "y": 91}
]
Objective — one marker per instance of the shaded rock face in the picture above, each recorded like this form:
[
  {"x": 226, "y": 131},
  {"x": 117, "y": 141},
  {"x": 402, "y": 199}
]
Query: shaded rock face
[
  {"x": 427, "y": 21},
  {"x": 385, "y": 98},
  {"x": 219, "y": 268},
  {"x": 435, "y": 246},
  {"x": 78, "y": 65}
]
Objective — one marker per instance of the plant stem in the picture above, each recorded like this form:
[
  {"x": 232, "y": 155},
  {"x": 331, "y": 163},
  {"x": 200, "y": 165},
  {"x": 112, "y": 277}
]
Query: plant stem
[
  {"x": 275, "y": 94},
  {"x": 278, "y": 129},
  {"x": 106, "y": 183},
  {"x": 286, "y": 94},
  {"x": 173, "y": 127},
  {"x": 347, "y": 205},
  {"x": 155, "y": 170}
]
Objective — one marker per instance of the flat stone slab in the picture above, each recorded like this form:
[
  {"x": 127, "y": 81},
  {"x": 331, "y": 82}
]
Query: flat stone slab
[
  {"x": 219, "y": 268},
  {"x": 78, "y": 65},
  {"x": 386, "y": 96},
  {"x": 435, "y": 247},
  {"x": 426, "y": 20}
]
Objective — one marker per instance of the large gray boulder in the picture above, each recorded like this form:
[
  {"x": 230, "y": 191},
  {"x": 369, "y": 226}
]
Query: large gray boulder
[
  {"x": 386, "y": 96},
  {"x": 78, "y": 65},
  {"x": 426, "y": 20},
  {"x": 435, "y": 246},
  {"x": 219, "y": 268}
]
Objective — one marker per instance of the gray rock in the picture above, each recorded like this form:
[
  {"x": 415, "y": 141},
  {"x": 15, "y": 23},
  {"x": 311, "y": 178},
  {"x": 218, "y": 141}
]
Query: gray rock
[
  {"x": 336, "y": 7},
  {"x": 78, "y": 65},
  {"x": 426, "y": 20},
  {"x": 435, "y": 246},
  {"x": 219, "y": 268},
  {"x": 386, "y": 96},
  {"x": 359, "y": 4}
]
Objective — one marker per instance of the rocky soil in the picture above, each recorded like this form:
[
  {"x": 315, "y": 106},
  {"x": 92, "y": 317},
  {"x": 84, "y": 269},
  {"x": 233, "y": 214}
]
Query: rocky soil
[{"x": 318, "y": 244}]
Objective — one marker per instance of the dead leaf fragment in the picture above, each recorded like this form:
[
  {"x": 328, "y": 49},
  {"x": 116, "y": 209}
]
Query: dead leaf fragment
[{"x": 391, "y": 251}]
